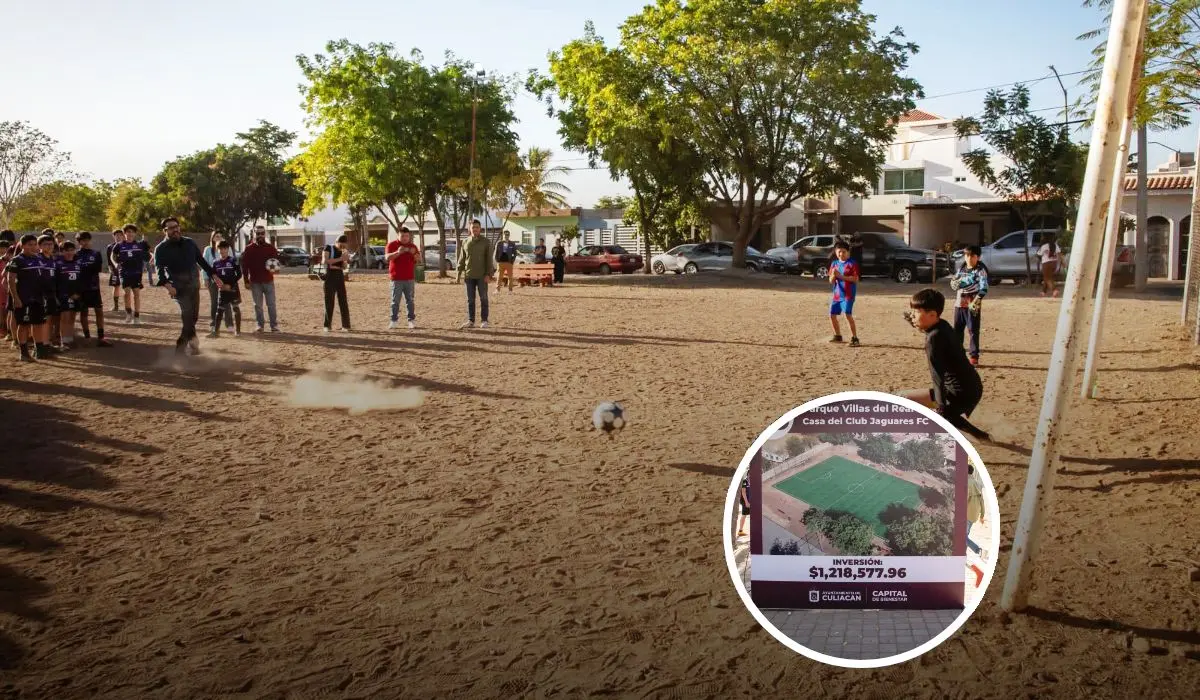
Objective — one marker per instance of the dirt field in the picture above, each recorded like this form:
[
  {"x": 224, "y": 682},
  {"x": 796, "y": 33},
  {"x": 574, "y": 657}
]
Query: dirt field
[{"x": 189, "y": 534}]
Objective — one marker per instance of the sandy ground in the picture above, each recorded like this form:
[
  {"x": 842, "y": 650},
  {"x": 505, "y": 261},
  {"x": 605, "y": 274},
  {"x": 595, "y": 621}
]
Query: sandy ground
[{"x": 184, "y": 534}]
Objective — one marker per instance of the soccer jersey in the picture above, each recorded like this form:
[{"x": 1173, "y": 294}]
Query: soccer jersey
[
  {"x": 90, "y": 266},
  {"x": 108, "y": 257},
  {"x": 48, "y": 279},
  {"x": 843, "y": 290},
  {"x": 28, "y": 269},
  {"x": 971, "y": 283},
  {"x": 68, "y": 275},
  {"x": 227, "y": 270},
  {"x": 131, "y": 259}
]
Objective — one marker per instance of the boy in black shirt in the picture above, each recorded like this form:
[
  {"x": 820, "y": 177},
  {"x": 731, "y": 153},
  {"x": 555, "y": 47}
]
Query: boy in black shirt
[
  {"x": 957, "y": 388},
  {"x": 226, "y": 273},
  {"x": 68, "y": 284}
]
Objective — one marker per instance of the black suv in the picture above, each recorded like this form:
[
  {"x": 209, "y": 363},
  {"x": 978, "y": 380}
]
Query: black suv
[{"x": 878, "y": 255}]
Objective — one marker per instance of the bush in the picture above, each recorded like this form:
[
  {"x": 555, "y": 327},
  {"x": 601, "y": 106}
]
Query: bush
[
  {"x": 791, "y": 547},
  {"x": 920, "y": 535},
  {"x": 850, "y": 535}
]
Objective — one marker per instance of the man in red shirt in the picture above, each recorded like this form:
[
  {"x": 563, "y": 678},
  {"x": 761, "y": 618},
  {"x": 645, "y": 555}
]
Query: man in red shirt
[
  {"x": 259, "y": 280},
  {"x": 401, "y": 256}
]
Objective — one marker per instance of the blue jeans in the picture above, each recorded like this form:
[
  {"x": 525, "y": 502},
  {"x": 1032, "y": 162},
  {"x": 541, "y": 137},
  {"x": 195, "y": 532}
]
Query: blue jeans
[
  {"x": 477, "y": 287},
  {"x": 403, "y": 290},
  {"x": 260, "y": 291},
  {"x": 968, "y": 323}
]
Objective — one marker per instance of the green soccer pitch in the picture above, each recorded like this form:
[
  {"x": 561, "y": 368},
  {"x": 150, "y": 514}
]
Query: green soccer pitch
[{"x": 840, "y": 484}]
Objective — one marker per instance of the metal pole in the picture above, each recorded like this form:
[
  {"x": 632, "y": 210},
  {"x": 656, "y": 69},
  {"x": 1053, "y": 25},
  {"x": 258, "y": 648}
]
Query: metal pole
[
  {"x": 1107, "y": 262},
  {"x": 1141, "y": 261},
  {"x": 1192, "y": 240},
  {"x": 1116, "y": 90}
]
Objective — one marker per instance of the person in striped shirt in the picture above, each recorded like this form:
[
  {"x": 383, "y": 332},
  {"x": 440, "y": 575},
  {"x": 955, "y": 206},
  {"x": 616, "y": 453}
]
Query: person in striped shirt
[{"x": 970, "y": 284}]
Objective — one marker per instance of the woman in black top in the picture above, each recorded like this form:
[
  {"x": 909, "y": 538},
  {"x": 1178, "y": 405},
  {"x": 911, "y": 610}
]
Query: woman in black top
[
  {"x": 539, "y": 252},
  {"x": 334, "y": 258}
]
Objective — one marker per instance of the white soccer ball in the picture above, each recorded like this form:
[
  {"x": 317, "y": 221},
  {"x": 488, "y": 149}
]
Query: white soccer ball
[
  {"x": 273, "y": 265},
  {"x": 609, "y": 417}
]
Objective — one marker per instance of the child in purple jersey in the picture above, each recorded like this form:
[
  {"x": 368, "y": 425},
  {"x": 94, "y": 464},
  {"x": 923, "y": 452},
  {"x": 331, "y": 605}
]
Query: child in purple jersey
[
  {"x": 844, "y": 276},
  {"x": 131, "y": 264},
  {"x": 226, "y": 273},
  {"x": 26, "y": 289},
  {"x": 49, "y": 292},
  {"x": 68, "y": 283},
  {"x": 91, "y": 265},
  {"x": 114, "y": 276}
]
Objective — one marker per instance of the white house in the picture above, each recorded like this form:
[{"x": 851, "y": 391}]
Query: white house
[{"x": 1170, "y": 220}]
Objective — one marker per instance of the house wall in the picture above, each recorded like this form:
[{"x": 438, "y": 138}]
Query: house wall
[
  {"x": 1172, "y": 205},
  {"x": 529, "y": 229}
]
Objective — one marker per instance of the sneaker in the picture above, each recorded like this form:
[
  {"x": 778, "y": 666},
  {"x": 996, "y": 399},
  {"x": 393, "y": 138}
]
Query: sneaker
[
  {"x": 326, "y": 329},
  {"x": 836, "y": 339},
  {"x": 344, "y": 329},
  {"x": 393, "y": 326},
  {"x": 213, "y": 334},
  {"x": 137, "y": 321},
  {"x": 466, "y": 325},
  {"x": 412, "y": 325},
  {"x": 274, "y": 329},
  {"x": 258, "y": 329},
  {"x": 484, "y": 324},
  {"x": 237, "y": 333},
  {"x": 854, "y": 341}
]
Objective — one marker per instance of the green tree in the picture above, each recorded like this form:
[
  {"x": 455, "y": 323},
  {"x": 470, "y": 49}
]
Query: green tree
[
  {"x": 63, "y": 206},
  {"x": 676, "y": 220},
  {"x": 789, "y": 548},
  {"x": 878, "y": 449},
  {"x": 795, "y": 445},
  {"x": 393, "y": 133},
  {"x": 133, "y": 203},
  {"x": 845, "y": 531},
  {"x": 919, "y": 455},
  {"x": 615, "y": 110},
  {"x": 836, "y": 438},
  {"x": 228, "y": 186},
  {"x": 920, "y": 535},
  {"x": 614, "y": 201},
  {"x": 779, "y": 99},
  {"x": 28, "y": 159},
  {"x": 1032, "y": 163}
]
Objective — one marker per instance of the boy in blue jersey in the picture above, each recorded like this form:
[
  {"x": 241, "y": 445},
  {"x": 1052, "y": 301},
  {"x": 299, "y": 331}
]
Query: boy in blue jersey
[
  {"x": 26, "y": 290},
  {"x": 68, "y": 283},
  {"x": 226, "y": 274},
  {"x": 971, "y": 286},
  {"x": 91, "y": 264},
  {"x": 131, "y": 265},
  {"x": 844, "y": 276},
  {"x": 49, "y": 290}
]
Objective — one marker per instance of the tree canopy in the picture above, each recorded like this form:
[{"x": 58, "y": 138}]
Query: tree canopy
[
  {"x": 63, "y": 206},
  {"x": 845, "y": 531},
  {"x": 920, "y": 535},
  {"x": 29, "y": 159}
]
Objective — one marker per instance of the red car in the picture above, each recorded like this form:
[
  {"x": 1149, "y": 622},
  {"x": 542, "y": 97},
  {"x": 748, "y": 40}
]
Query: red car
[{"x": 603, "y": 259}]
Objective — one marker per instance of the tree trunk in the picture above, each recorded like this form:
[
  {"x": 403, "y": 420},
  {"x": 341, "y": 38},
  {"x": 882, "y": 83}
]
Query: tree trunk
[
  {"x": 746, "y": 229},
  {"x": 1025, "y": 247},
  {"x": 1140, "y": 261},
  {"x": 1189, "y": 274}
]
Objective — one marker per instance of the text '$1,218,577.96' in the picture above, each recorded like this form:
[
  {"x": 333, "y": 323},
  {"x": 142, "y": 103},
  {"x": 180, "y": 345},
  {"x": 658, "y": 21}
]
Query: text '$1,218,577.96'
[{"x": 861, "y": 573}]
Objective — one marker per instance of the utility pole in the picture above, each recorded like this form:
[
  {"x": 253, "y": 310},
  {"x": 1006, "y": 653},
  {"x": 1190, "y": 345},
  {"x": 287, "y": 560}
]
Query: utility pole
[
  {"x": 1141, "y": 261},
  {"x": 1066, "y": 100}
]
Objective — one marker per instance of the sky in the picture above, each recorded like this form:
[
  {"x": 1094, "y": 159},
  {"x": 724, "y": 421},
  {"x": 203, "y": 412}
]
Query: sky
[{"x": 128, "y": 85}]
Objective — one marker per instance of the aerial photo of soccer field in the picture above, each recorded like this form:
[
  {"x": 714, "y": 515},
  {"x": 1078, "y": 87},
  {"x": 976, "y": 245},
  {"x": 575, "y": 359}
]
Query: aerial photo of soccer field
[{"x": 838, "y": 483}]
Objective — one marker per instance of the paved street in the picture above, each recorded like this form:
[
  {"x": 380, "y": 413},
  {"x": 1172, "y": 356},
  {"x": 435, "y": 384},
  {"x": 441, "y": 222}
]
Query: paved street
[{"x": 861, "y": 634}]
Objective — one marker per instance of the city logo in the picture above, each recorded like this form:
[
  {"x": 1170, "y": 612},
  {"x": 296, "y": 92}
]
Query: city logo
[
  {"x": 814, "y": 596},
  {"x": 840, "y": 596},
  {"x": 900, "y": 596}
]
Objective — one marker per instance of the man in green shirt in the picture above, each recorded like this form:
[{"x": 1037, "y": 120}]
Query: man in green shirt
[{"x": 476, "y": 265}]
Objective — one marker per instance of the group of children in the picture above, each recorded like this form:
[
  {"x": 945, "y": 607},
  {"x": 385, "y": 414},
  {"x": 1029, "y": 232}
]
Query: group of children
[
  {"x": 957, "y": 388},
  {"x": 49, "y": 281}
]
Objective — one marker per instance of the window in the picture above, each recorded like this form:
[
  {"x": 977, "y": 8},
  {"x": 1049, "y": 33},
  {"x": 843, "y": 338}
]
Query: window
[
  {"x": 1010, "y": 242},
  {"x": 904, "y": 181},
  {"x": 616, "y": 250},
  {"x": 960, "y": 178},
  {"x": 823, "y": 242},
  {"x": 793, "y": 234},
  {"x": 804, "y": 242}
]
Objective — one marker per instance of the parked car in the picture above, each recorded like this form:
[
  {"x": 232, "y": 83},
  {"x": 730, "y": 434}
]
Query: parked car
[
  {"x": 671, "y": 261},
  {"x": 431, "y": 256},
  {"x": 718, "y": 255},
  {"x": 376, "y": 262},
  {"x": 882, "y": 254},
  {"x": 1005, "y": 260},
  {"x": 525, "y": 254},
  {"x": 799, "y": 256},
  {"x": 603, "y": 259},
  {"x": 292, "y": 256}
]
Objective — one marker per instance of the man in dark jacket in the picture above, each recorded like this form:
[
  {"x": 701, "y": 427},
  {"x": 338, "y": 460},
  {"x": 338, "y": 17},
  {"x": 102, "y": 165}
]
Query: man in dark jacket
[
  {"x": 506, "y": 256},
  {"x": 176, "y": 259}
]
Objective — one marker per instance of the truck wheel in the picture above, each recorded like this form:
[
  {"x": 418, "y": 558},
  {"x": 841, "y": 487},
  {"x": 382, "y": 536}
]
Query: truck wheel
[{"x": 906, "y": 274}]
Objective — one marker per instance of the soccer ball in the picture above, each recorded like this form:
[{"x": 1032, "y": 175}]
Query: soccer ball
[
  {"x": 273, "y": 265},
  {"x": 609, "y": 418}
]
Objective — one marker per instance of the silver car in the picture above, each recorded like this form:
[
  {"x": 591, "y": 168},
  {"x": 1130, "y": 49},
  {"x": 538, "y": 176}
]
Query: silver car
[
  {"x": 718, "y": 255},
  {"x": 431, "y": 256},
  {"x": 673, "y": 260},
  {"x": 806, "y": 254}
]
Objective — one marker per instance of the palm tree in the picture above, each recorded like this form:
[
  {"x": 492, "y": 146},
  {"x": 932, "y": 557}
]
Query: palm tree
[{"x": 540, "y": 189}]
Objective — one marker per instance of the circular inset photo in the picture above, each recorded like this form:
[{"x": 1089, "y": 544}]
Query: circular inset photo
[{"x": 862, "y": 529}]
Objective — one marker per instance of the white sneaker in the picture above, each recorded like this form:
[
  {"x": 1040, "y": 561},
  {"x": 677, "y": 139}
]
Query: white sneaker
[
  {"x": 466, "y": 325},
  {"x": 393, "y": 326},
  {"x": 411, "y": 325},
  {"x": 137, "y": 321},
  {"x": 326, "y": 329},
  {"x": 484, "y": 324}
]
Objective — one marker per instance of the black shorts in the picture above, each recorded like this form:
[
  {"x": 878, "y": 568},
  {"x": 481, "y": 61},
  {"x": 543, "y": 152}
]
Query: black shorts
[
  {"x": 114, "y": 280},
  {"x": 90, "y": 299},
  {"x": 745, "y": 509},
  {"x": 232, "y": 297},
  {"x": 131, "y": 282},
  {"x": 30, "y": 314},
  {"x": 50, "y": 304},
  {"x": 958, "y": 405},
  {"x": 67, "y": 304}
]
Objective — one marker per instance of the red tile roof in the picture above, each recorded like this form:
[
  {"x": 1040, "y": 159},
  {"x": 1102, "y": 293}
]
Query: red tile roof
[
  {"x": 919, "y": 116},
  {"x": 1160, "y": 182}
]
